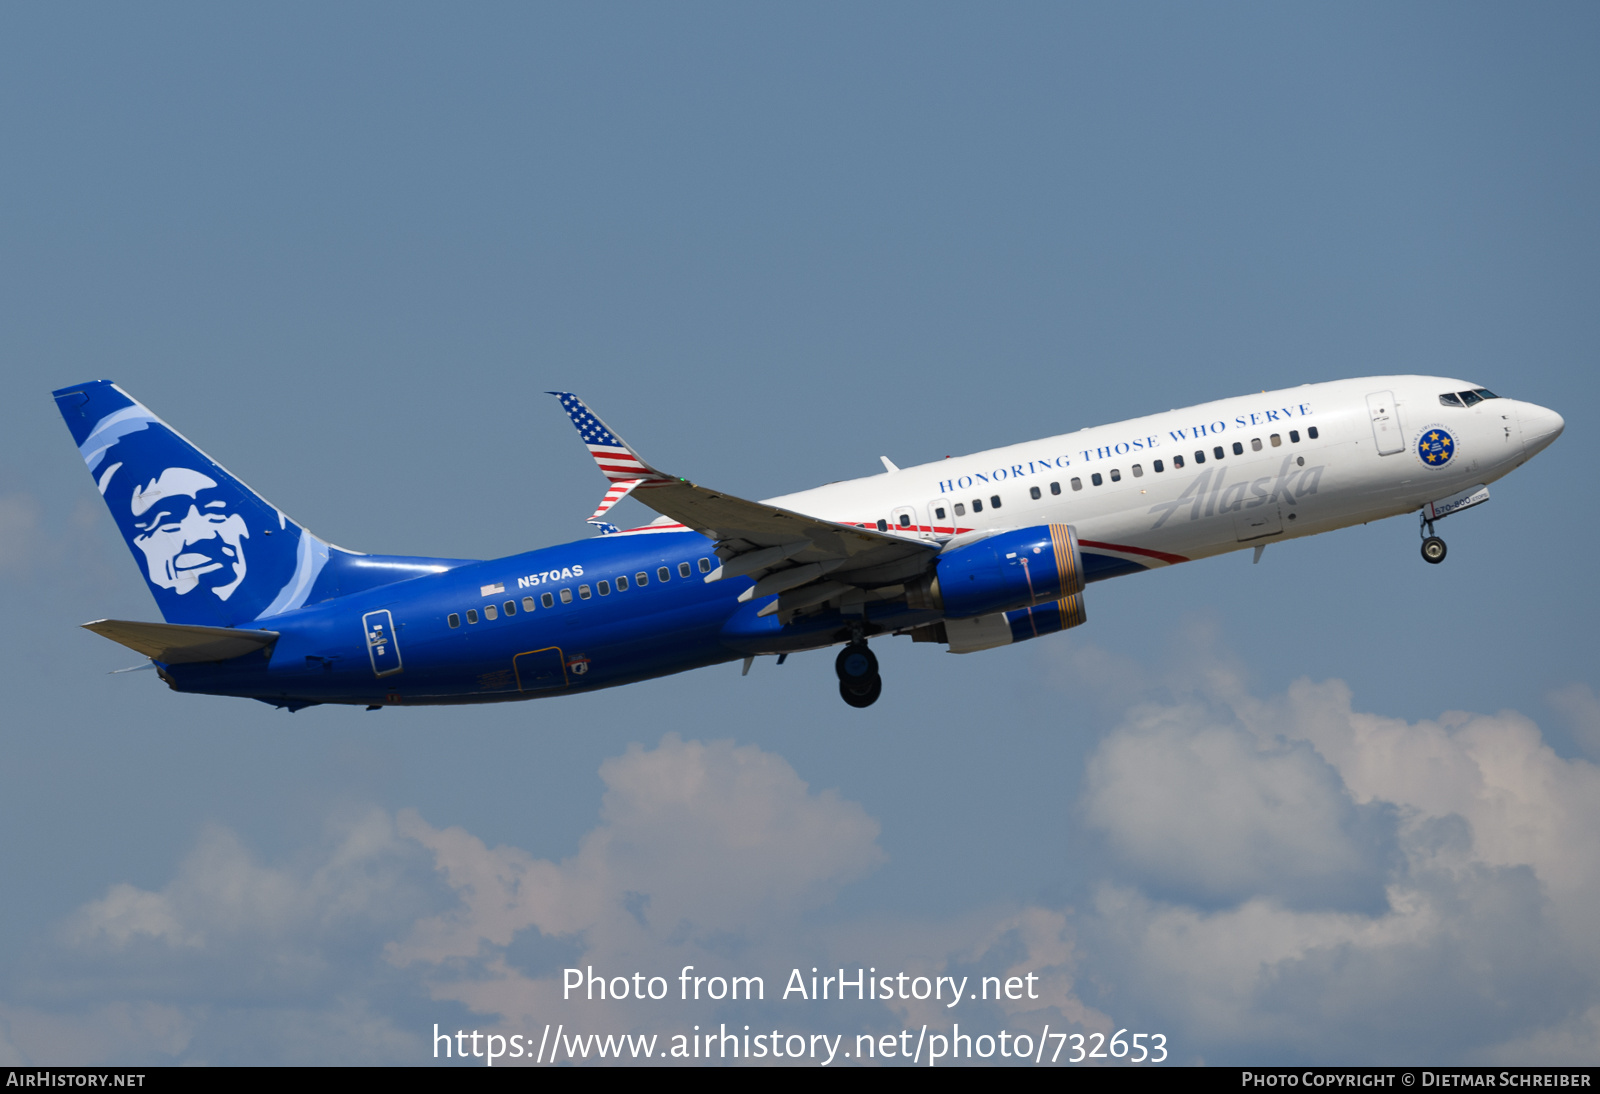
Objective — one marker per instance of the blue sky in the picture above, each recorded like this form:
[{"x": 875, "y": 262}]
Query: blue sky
[{"x": 1338, "y": 806}]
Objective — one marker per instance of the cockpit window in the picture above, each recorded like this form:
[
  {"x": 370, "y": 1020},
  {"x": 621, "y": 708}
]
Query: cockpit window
[
  {"x": 1450, "y": 398},
  {"x": 1484, "y": 393},
  {"x": 1468, "y": 398}
]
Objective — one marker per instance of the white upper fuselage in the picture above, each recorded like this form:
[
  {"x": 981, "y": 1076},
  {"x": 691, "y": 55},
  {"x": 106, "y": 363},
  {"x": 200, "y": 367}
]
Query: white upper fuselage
[{"x": 1274, "y": 487}]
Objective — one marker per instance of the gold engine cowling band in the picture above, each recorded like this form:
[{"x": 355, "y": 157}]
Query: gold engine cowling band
[{"x": 1012, "y": 570}]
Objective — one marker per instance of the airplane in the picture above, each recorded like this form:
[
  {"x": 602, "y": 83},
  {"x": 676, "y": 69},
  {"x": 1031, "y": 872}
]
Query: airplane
[{"x": 970, "y": 552}]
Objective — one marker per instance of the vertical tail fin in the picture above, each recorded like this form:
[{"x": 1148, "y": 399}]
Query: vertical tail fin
[{"x": 213, "y": 551}]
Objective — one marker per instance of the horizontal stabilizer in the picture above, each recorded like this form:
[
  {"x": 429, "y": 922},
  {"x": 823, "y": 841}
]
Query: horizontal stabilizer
[{"x": 180, "y": 643}]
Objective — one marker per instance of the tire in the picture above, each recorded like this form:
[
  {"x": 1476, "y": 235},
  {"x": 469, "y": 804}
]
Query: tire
[
  {"x": 868, "y": 695},
  {"x": 1433, "y": 550},
  {"x": 855, "y": 664}
]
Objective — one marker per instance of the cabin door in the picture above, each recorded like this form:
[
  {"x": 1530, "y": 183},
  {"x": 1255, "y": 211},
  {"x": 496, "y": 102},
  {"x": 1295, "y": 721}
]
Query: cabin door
[
  {"x": 1385, "y": 423},
  {"x": 540, "y": 670}
]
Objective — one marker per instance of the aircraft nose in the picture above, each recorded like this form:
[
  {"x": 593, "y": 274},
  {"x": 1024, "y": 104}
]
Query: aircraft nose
[{"x": 1540, "y": 426}]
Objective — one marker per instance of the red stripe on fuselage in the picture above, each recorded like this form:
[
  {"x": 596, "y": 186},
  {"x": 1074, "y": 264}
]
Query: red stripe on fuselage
[{"x": 1125, "y": 549}]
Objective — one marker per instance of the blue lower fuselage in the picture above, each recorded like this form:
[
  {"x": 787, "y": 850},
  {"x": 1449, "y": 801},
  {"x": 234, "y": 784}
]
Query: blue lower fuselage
[
  {"x": 395, "y": 644},
  {"x": 593, "y": 623}
]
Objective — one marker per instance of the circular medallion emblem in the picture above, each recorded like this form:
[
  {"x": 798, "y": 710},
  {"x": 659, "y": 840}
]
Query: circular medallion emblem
[{"x": 1435, "y": 447}]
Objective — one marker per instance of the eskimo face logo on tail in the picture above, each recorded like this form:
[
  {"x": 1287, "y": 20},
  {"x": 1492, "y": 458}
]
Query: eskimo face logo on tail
[{"x": 189, "y": 541}]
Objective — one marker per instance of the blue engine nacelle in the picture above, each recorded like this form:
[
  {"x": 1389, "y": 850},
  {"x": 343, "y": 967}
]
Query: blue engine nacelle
[{"x": 1012, "y": 570}]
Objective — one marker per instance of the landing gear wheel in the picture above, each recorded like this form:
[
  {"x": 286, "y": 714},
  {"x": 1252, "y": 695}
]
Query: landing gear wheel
[
  {"x": 855, "y": 664},
  {"x": 867, "y": 697},
  {"x": 1433, "y": 550}
]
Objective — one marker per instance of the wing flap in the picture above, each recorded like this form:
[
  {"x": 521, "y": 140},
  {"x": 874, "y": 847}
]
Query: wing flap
[{"x": 179, "y": 643}]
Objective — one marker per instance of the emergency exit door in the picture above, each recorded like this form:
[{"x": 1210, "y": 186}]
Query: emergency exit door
[{"x": 382, "y": 648}]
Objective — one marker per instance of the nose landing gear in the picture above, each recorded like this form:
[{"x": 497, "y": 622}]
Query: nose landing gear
[
  {"x": 859, "y": 682},
  {"x": 1433, "y": 548}
]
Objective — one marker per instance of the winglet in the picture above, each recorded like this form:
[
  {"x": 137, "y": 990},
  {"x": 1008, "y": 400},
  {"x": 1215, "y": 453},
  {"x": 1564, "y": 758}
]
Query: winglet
[
  {"x": 617, "y": 492},
  {"x": 616, "y": 459}
]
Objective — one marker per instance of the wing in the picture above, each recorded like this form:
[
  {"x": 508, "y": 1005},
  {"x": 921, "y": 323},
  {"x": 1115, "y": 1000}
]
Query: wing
[{"x": 806, "y": 560}]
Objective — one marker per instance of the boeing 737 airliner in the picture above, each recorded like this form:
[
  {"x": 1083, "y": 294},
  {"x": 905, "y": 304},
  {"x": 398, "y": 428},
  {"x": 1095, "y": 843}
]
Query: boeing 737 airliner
[{"x": 972, "y": 552}]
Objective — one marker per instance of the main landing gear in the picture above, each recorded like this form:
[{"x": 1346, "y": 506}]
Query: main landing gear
[
  {"x": 859, "y": 682},
  {"x": 1433, "y": 548}
]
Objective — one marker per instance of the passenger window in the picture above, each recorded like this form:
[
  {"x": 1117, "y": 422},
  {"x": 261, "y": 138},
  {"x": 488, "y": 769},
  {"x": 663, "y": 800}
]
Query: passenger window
[
  {"x": 961, "y": 510},
  {"x": 527, "y": 603},
  {"x": 1033, "y": 492},
  {"x": 1312, "y": 433},
  {"x": 489, "y": 612},
  {"x": 1077, "y": 483},
  {"x": 1276, "y": 440},
  {"x": 705, "y": 563},
  {"x": 583, "y": 592},
  {"x": 1218, "y": 452},
  {"x": 605, "y": 588},
  {"x": 938, "y": 514},
  {"x": 903, "y": 520},
  {"x": 511, "y": 608},
  {"x": 472, "y": 615},
  {"x": 1255, "y": 444},
  {"x": 1199, "y": 457},
  {"x": 1450, "y": 398},
  {"x": 453, "y": 619},
  {"x": 1238, "y": 448},
  {"x": 622, "y": 584},
  {"x": 1177, "y": 462},
  {"x": 1055, "y": 488},
  {"x": 1294, "y": 436},
  {"x": 1116, "y": 475},
  {"x": 995, "y": 501},
  {"x": 683, "y": 569},
  {"x": 883, "y": 525},
  {"x": 641, "y": 579},
  {"x": 545, "y": 598},
  {"x": 1138, "y": 471},
  {"x": 1159, "y": 466},
  {"x": 566, "y": 596},
  {"x": 1096, "y": 479},
  {"x": 977, "y": 505},
  {"x": 663, "y": 574},
  {"x": 1469, "y": 398}
]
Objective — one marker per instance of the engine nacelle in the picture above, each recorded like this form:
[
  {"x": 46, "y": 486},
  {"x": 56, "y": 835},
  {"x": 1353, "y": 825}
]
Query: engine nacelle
[
  {"x": 1003, "y": 628},
  {"x": 1012, "y": 570}
]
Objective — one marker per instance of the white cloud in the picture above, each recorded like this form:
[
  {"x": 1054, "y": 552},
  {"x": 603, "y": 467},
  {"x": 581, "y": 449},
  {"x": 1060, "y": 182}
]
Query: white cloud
[
  {"x": 1212, "y": 812},
  {"x": 706, "y": 855},
  {"x": 1284, "y": 879},
  {"x": 255, "y": 961},
  {"x": 1579, "y": 705},
  {"x": 1487, "y": 931}
]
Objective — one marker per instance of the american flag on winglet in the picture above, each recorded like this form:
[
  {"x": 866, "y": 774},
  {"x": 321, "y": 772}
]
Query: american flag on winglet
[
  {"x": 617, "y": 492},
  {"x": 616, "y": 461}
]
